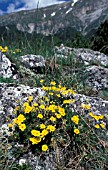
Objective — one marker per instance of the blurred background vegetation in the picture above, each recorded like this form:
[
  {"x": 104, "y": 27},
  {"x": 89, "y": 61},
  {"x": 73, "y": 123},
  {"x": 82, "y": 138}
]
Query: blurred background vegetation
[{"x": 40, "y": 44}]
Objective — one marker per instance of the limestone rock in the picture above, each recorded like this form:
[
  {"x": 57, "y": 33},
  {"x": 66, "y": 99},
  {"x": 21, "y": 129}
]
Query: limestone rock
[
  {"x": 91, "y": 65},
  {"x": 11, "y": 94},
  {"x": 62, "y": 51},
  {"x": 91, "y": 57},
  {"x": 97, "y": 77},
  {"x": 7, "y": 69},
  {"x": 88, "y": 56},
  {"x": 34, "y": 62}
]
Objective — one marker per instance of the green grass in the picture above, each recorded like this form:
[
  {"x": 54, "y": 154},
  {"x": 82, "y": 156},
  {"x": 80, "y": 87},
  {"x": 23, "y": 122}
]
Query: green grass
[{"x": 6, "y": 80}]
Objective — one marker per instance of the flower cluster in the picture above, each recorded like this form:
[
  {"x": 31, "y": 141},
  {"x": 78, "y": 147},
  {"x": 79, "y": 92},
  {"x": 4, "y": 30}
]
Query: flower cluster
[
  {"x": 4, "y": 50},
  {"x": 75, "y": 119},
  {"x": 19, "y": 121},
  {"x": 38, "y": 120},
  {"x": 98, "y": 119}
]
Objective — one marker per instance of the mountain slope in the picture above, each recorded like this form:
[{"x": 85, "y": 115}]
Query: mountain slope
[{"x": 83, "y": 15}]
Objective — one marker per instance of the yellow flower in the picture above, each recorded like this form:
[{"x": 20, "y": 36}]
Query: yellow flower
[
  {"x": 34, "y": 108},
  {"x": 85, "y": 106},
  {"x": 15, "y": 121},
  {"x": 71, "y": 91},
  {"x": 10, "y": 125},
  {"x": 47, "y": 108},
  {"x": 91, "y": 114},
  {"x": 44, "y": 133},
  {"x": 6, "y": 48},
  {"x": 102, "y": 125},
  {"x": 35, "y": 104},
  {"x": 28, "y": 109},
  {"x": 51, "y": 128},
  {"x": 58, "y": 95},
  {"x": 59, "y": 86},
  {"x": 53, "y": 83},
  {"x": 57, "y": 89},
  {"x": 64, "y": 92},
  {"x": 63, "y": 89},
  {"x": 61, "y": 111},
  {"x": 21, "y": 118},
  {"x": 52, "y": 107},
  {"x": 25, "y": 104},
  {"x": 42, "y": 106},
  {"x": 101, "y": 116},
  {"x": 58, "y": 116},
  {"x": 45, "y": 88},
  {"x": 75, "y": 119},
  {"x": 66, "y": 101},
  {"x": 46, "y": 98},
  {"x": 22, "y": 127},
  {"x": 53, "y": 88},
  {"x": 42, "y": 126},
  {"x": 35, "y": 133},
  {"x": 30, "y": 98},
  {"x": 97, "y": 126},
  {"x": 73, "y": 100},
  {"x": 41, "y": 81},
  {"x": 52, "y": 102},
  {"x": 53, "y": 119},
  {"x": 44, "y": 148},
  {"x": 96, "y": 117},
  {"x": 40, "y": 116},
  {"x": 35, "y": 140},
  {"x": 76, "y": 131},
  {"x": 17, "y": 108},
  {"x": 51, "y": 94}
]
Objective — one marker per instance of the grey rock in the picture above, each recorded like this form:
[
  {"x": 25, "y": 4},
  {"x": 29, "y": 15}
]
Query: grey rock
[
  {"x": 97, "y": 77},
  {"x": 88, "y": 56},
  {"x": 7, "y": 69},
  {"x": 10, "y": 94},
  {"x": 98, "y": 105},
  {"x": 92, "y": 64},
  {"x": 62, "y": 51},
  {"x": 32, "y": 61},
  {"x": 91, "y": 57}
]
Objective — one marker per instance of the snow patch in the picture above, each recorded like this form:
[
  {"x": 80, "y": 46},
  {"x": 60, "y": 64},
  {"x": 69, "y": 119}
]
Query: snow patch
[
  {"x": 74, "y": 1},
  {"x": 53, "y": 14},
  {"x": 68, "y": 10},
  {"x": 44, "y": 15}
]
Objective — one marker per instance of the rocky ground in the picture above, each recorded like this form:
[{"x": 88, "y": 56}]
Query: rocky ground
[{"x": 92, "y": 64}]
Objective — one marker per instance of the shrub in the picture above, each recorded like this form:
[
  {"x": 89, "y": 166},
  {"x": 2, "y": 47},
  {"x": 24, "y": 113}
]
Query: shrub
[{"x": 100, "y": 41}]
